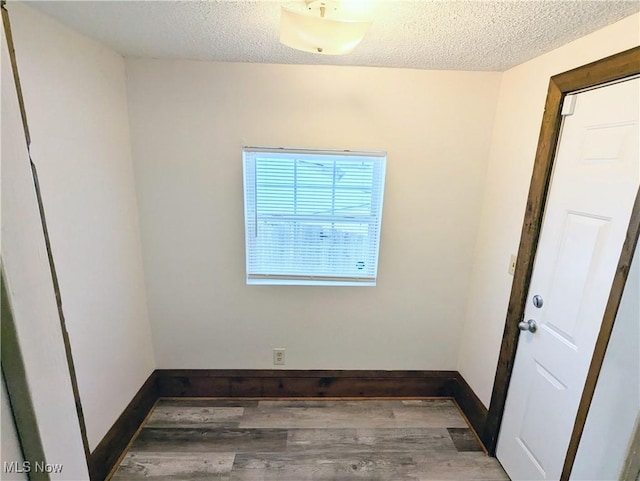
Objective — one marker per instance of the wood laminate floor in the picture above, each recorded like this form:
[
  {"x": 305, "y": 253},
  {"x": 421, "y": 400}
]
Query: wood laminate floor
[{"x": 208, "y": 439}]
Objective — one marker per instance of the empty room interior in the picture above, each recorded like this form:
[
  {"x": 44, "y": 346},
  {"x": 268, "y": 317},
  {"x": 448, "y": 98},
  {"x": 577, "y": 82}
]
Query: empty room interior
[{"x": 320, "y": 240}]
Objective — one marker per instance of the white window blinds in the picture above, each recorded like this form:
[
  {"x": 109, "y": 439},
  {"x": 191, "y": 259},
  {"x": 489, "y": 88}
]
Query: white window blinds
[{"x": 312, "y": 217}]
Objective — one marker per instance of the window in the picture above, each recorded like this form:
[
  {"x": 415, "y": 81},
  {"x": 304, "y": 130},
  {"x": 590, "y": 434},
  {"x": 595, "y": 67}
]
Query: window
[{"x": 312, "y": 217}]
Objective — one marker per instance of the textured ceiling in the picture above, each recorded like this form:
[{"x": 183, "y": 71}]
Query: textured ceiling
[{"x": 451, "y": 35}]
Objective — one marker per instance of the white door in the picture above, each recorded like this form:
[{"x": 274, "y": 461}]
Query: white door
[{"x": 593, "y": 187}]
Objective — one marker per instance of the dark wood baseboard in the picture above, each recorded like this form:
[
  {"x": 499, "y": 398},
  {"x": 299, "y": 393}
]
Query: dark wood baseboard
[
  {"x": 231, "y": 383},
  {"x": 104, "y": 457},
  {"x": 310, "y": 383},
  {"x": 469, "y": 403},
  {"x": 288, "y": 383}
]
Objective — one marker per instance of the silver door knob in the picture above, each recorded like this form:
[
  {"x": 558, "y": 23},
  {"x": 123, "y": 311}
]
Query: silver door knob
[{"x": 529, "y": 325}]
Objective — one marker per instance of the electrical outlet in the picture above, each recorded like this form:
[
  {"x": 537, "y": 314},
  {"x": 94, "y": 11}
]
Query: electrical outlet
[
  {"x": 278, "y": 356},
  {"x": 512, "y": 264}
]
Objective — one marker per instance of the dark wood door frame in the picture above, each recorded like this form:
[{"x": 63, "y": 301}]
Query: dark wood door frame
[{"x": 617, "y": 67}]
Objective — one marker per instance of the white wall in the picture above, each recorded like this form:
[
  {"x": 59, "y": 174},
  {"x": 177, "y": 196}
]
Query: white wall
[
  {"x": 616, "y": 401},
  {"x": 75, "y": 96},
  {"x": 29, "y": 288},
  {"x": 515, "y": 136},
  {"x": 189, "y": 121}
]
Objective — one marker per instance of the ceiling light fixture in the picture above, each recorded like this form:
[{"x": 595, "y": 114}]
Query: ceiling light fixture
[{"x": 326, "y": 27}]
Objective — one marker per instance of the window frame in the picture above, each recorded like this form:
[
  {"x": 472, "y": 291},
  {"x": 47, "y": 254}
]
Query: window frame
[{"x": 249, "y": 157}]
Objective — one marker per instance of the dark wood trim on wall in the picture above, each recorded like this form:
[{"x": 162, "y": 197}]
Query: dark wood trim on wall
[
  {"x": 294, "y": 383},
  {"x": 105, "y": 456},
  {"x": 524, "y": 264},
  {"x": 469, "y": 403},
  {"x": 14, "y": 69},
  {"x": 338, "y": 384},
  {"x": 616, "y": 67}
]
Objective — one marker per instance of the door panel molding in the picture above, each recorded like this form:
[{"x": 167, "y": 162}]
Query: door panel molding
[{"x": 617, "y": 67}]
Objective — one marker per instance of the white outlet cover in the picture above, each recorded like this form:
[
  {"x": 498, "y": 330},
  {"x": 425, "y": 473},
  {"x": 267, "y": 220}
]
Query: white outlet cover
[{"x": 278, "y": 356}]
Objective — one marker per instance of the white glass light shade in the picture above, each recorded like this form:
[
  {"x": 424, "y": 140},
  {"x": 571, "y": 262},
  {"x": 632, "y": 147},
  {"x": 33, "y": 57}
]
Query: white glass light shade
[{"x": 316, "y": 34}]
